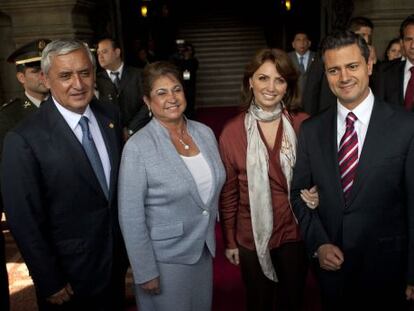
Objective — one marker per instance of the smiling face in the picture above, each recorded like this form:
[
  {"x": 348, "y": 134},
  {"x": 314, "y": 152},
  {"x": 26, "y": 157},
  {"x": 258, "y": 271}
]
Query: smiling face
[
  {"x": 348, "y": 74},
  {"x": 167, "y": 100},
  {"x": 71, "y": 80},
  {"x": 268, "y": 86},
  {"x": 394, "y": 51}
]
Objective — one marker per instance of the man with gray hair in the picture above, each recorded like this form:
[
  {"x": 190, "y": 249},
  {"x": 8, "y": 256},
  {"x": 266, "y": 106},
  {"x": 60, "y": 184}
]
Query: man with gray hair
[{"x": 59, "y": 179}]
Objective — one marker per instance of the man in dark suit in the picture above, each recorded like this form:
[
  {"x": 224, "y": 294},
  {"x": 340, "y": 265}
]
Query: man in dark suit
[
  {"x": 317, "y": 95},
  {"x": 360, "y": 154},
  {"x": 27, "y": 61},
  {"x": 392, "y": 79},
  {"x": 302, "y": 57},
  {"x": 121, "y": 85},
  {"x": 59, "y": 176}
]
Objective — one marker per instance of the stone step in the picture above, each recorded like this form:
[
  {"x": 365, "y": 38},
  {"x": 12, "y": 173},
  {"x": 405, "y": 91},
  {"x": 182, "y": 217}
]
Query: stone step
[
  {"x": 223, "y": 47},
  {"x": 220, "y": 84}
]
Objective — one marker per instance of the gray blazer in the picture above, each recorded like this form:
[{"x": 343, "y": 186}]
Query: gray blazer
[{"x": 161, "y": 214}]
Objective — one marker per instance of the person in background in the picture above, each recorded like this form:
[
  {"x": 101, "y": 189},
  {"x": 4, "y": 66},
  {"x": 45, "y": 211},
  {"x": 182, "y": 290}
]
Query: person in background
[
  {"x": 169, "y": 184},
  {"x": 258, "y": 149},
  {"x": 27, "y": 61},
  {"x": 121, "y": 85},
  {"x": 361, "y": 234},
  {"x": 364, "y": 27},
  {"x": 302, "y": 57},
  {"x": 395, "y": 80},
  {"x": 393, "y": 50},
  {"x": 58, "y": 180},
  {"x": 317, "y": 95},
  {"x": 188, "y": 64}
]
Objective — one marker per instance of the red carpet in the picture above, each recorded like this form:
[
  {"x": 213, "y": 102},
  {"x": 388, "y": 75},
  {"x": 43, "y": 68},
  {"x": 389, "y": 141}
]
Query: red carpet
[{"x": 228, "y": 290}]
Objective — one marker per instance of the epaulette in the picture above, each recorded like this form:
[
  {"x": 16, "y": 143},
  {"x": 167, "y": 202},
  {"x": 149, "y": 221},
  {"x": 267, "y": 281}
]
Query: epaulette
[{"x": 6, "y": 104}]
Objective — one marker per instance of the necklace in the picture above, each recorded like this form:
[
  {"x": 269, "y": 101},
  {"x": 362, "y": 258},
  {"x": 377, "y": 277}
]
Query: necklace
[{"x": 180, "y": 139}]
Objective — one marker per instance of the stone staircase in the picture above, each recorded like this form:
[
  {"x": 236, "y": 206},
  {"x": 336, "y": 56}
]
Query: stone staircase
[{"x": 223, "y": 44}]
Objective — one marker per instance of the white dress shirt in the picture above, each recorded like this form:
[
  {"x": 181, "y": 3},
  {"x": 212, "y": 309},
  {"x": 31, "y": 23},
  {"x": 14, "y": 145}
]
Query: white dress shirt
[
  {"x": 363, "y": 112},
  {"x": 305, "y": 58},
  {"x": 407, "y": 74},
  {"x": 35, "y": 101},
  {"x": 120, "y": 70},
  {"x": 72, "y": 119}
]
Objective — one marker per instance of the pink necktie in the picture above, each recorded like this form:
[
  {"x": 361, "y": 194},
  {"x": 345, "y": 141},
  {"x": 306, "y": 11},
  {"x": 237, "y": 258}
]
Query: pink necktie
[
  {"x": 348, "y": 155},
  {"x": 409, "y": 92}
]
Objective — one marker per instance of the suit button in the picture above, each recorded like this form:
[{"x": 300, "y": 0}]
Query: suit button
[{"x": 205, "y": 213}]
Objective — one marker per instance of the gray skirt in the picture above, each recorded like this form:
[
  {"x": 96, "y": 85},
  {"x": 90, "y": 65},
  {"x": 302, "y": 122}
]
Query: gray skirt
[{"x": 183, "y": 287}]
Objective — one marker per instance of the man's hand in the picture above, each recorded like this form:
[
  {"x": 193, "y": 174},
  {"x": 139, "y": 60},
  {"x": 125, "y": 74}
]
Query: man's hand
[
  {"x": 409, "y": 292},
  {"x": 152, "y": 287},
  {"x": 232, "y": 254},
  {"x": 330, "y": 257},
  {"x": 62, "y": 296}
]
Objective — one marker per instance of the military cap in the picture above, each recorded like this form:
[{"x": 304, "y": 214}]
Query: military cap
[{"x": 29, "y": 54}]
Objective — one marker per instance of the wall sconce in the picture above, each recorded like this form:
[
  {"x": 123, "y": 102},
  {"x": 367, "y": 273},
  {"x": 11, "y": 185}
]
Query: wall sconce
[
  {"x": 288, "y": 5},
  {"x": 144, "y": 11}
]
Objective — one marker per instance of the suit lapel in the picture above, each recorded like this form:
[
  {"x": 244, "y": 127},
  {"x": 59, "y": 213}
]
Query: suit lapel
[
  {"x": 66, "y": 142},
  {"x": 329, "y": 147},
  {"x": 176, "y": 161},
  {"x": 372, "y": 146},
  {"x": 108, "y": 131},
  {"x": 311, "y": 59},
  {"x": 124, "y": 79},
  {"x": 207, "y": 153}
]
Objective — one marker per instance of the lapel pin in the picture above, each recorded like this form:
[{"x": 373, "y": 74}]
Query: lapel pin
[
  {"x": 111, "y": 125},
  {"x": 26, "y": 104}
]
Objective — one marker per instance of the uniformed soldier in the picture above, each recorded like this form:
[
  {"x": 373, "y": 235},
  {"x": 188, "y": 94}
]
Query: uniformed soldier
[{"x": 27, "y": 60}]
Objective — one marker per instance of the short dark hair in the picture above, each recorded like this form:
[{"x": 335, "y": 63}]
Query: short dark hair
[
  {"x": 408, "y": 21},
  {"x": 300, "y": 31},
  {"x": 156, "y": 70},
  {"x": 357, "y": 22},
  {"x": 114, "y": 42},
  {"x": 344, "y": 38}
]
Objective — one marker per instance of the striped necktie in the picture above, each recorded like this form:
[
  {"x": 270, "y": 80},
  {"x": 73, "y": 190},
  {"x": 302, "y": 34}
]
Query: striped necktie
[
  {"x": 348, "y": 155},
  {"x": 409, "y": 92}
]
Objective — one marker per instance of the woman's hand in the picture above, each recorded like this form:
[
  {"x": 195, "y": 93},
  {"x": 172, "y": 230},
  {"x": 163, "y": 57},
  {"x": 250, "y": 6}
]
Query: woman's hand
[
  {"x": 152, "y": 287},
  {"x": 232, "y": 254},
  {"x": 310, "y": 197}
]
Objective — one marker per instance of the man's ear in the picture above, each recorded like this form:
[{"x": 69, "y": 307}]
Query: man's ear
[
  {"x": 44, "y": 79},
  {"x": 118, "y": 52},
  {"x": 20, "y": 77}
]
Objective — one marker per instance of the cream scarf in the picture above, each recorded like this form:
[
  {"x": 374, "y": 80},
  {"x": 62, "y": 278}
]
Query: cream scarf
[{"x": 257, "y": 167}]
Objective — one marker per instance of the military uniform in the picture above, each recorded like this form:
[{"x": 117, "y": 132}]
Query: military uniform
[{"x": 11, "y": 113}]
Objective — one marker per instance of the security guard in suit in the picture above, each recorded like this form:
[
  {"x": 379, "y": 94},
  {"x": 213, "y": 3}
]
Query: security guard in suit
[{"x": 27, "y": 61}]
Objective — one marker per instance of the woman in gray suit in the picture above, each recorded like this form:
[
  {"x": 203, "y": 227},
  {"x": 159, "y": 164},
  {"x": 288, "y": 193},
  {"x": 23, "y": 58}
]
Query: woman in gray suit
[{"x": 169, "y": 184}]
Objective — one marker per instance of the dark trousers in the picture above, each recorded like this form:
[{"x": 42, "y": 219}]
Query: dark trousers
[
  {"x": 111, "y": 299},
  {"x": 364, "y": 284},
  {"x": 291, "y": 265},
  {"x": 4, "y": 284}
]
